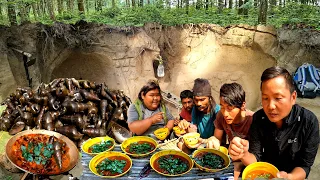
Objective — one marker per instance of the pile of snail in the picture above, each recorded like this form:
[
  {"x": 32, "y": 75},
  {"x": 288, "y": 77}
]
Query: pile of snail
[{"x": 78, "y": 109}]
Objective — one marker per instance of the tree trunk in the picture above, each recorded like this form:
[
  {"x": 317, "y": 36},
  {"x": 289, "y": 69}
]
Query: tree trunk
[
  {"x": 50, "y": 9},
  {"x": 70, "y": 5},
  {"x": 198, "y": 4},
  {"x": 12, "y": 13},
  {"x": 255, "y": 3},
  {"x": 187, "y": 6},
  {"x": 141, "y": 3},
  {"x": 230, "y": 4},
  {"x": 207, "y": 4},
  {"x": 133, "y": 3},
  {"x": 98, "y": 5},
  {"x": 127, "y": 3},
  {"x": 60, "y": 6},
  {"x": 220, "y": 6},
  {"x": 34, "y": 10},
  {"x": 22, "y": 13},
  {"x": 80, "y": 6},
  {"x": 240, "y": 10},
  {"x": 113, "y": 3},
  {"x": 262, "y": 18},
  {"x": 245, "y": 10},
  {"x": 87, "y": 6}
]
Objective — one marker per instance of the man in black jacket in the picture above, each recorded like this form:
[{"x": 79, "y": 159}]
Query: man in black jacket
[{"x": 282, "y": 133}]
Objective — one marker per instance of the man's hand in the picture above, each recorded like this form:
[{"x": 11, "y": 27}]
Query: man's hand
[
  {"x": 283, "y": 174},
  {"x": 157, "y": 117},
  {"x": 238, "y": 147},
  {"x": 192, "y": 128},
  {"x": 170, "y": 124},
  {"x": 213, "y": 142},
  {"x": 184, "y": 124},
  {"x": 176, "y": 121}
]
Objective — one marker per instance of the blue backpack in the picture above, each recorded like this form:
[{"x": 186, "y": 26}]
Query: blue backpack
[{"x": 307, "y": 81}]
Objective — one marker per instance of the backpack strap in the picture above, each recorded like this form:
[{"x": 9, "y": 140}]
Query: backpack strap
[
  {"x": 138, "y": 104},
  {"x": 314, "y": 76}
]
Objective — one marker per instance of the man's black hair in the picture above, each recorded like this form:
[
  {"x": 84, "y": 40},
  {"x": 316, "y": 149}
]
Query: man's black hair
[
  {"x": 277, "y": 71},
  {"x": 233, "y": 94},
  {"x": 186, "y": 94}
]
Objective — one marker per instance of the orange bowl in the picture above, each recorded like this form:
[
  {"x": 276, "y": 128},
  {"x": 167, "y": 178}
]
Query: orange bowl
[{"x": 258, "y": 168}]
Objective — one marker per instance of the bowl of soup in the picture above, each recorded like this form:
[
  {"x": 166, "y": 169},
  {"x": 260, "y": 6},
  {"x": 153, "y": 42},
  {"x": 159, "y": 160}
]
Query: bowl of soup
[
  {"x": 97, "y": 145},
  {"x": 210, "y": 160},
  {"x": 171, "y": 163},
  {"x": 260, "y": 170},
  {"x": 139, "y": 146},
  {"x": 110, "y": 164}
]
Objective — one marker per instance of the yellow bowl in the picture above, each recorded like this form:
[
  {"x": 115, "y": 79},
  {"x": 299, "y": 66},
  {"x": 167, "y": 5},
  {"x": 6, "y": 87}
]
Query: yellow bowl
[
  {"x": 260, "y": 166},
  {"x": 178, "y": 131},
  {"x": 87, "y": 144},
  {"x": 134, "y": 139},
  {"x": 170, "y": 152},
  {"x": 191, "y": 138},
  {"x": 162, "y": 133},
  {"x": 101, "y": 156},
  {"x": 224, "y": 150},
  {"x": 214, "y": 151}
]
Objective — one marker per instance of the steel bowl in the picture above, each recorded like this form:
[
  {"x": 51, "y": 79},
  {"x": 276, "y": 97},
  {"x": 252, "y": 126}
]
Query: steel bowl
[{"x": 73, "y": 150}]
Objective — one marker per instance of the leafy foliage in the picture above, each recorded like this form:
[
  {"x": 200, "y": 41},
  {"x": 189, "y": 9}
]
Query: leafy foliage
[
  {"x": 210, "y": 160},
  {"x": 138, "y": 148},
  {"x": 294, "y": 13},
  {"x": 100, "y": 147},
  {"x": 172, "y": 165},
  {"x": 39, "y": 153},
  {"x": 114, "y": 166}
]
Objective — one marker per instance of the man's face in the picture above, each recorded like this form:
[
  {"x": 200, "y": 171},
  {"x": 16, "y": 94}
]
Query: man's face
[
  {"x": 152, "y": 99},
  {"x": 230, "y": 113},
  {"x": 277, "y": 101},
  {"x": 202, "y": 103},
  {"x": 187, "y": 103}
]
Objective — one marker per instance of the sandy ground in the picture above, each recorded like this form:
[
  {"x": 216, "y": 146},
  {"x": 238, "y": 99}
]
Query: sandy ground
[{"x": 311, "y": 104}]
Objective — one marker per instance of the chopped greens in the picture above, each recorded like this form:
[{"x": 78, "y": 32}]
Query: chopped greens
[
  {"x": 140, "y": 148},
  {"x": 38, "y": 152},
  {"x": 267, "y": 176},
  {"x": 172, "y": 165},
  {"x": 114, "y": 166},
  {"x": 100, "y": 147},
  {"x": 210, "y": 160}
]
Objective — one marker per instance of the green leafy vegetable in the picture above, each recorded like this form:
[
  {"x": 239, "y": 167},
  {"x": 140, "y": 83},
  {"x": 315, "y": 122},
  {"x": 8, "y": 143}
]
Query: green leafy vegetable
[
  {"x": 140, "y": 148},
  {"x": 39, "y": 153},
  {"x": 264, "y": 176},
  {"x": 172, "y": 165},
  {"x": 113, "y": 166},
  {"x": 210, "y": 160},
  {"x": 100, "y": 147}
]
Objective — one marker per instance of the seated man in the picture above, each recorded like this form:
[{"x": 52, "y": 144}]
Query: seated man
[
  {"x": 149, "y": 113},
  {"x": 186, "y": 97},
  {"x": 233, "y": 119},
  {"x": 282, "y": 133},
  {"x": 203, "y": 113}
]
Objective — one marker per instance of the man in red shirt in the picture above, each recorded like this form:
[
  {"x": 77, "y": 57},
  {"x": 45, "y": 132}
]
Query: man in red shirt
[{"x": 186, "y": 97}]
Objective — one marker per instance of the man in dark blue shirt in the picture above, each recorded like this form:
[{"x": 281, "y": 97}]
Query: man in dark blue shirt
[{"x": 282, "y": 133}]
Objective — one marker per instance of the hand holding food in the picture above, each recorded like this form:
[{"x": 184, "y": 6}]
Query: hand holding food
[
  {"x": 170, "y": 124},
  {"x": 213, "y": 142},
  {"x": 176, "y": 121},
  {"x": 238, "y": 147},
  {"x": 157, "y": 117},
  {"x": 184, "y": 124},
  {"x": 178, "y": 131}
]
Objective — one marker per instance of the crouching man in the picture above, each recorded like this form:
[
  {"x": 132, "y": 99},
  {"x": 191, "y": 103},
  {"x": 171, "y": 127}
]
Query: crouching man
[{"x": 282, "y": 133}]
